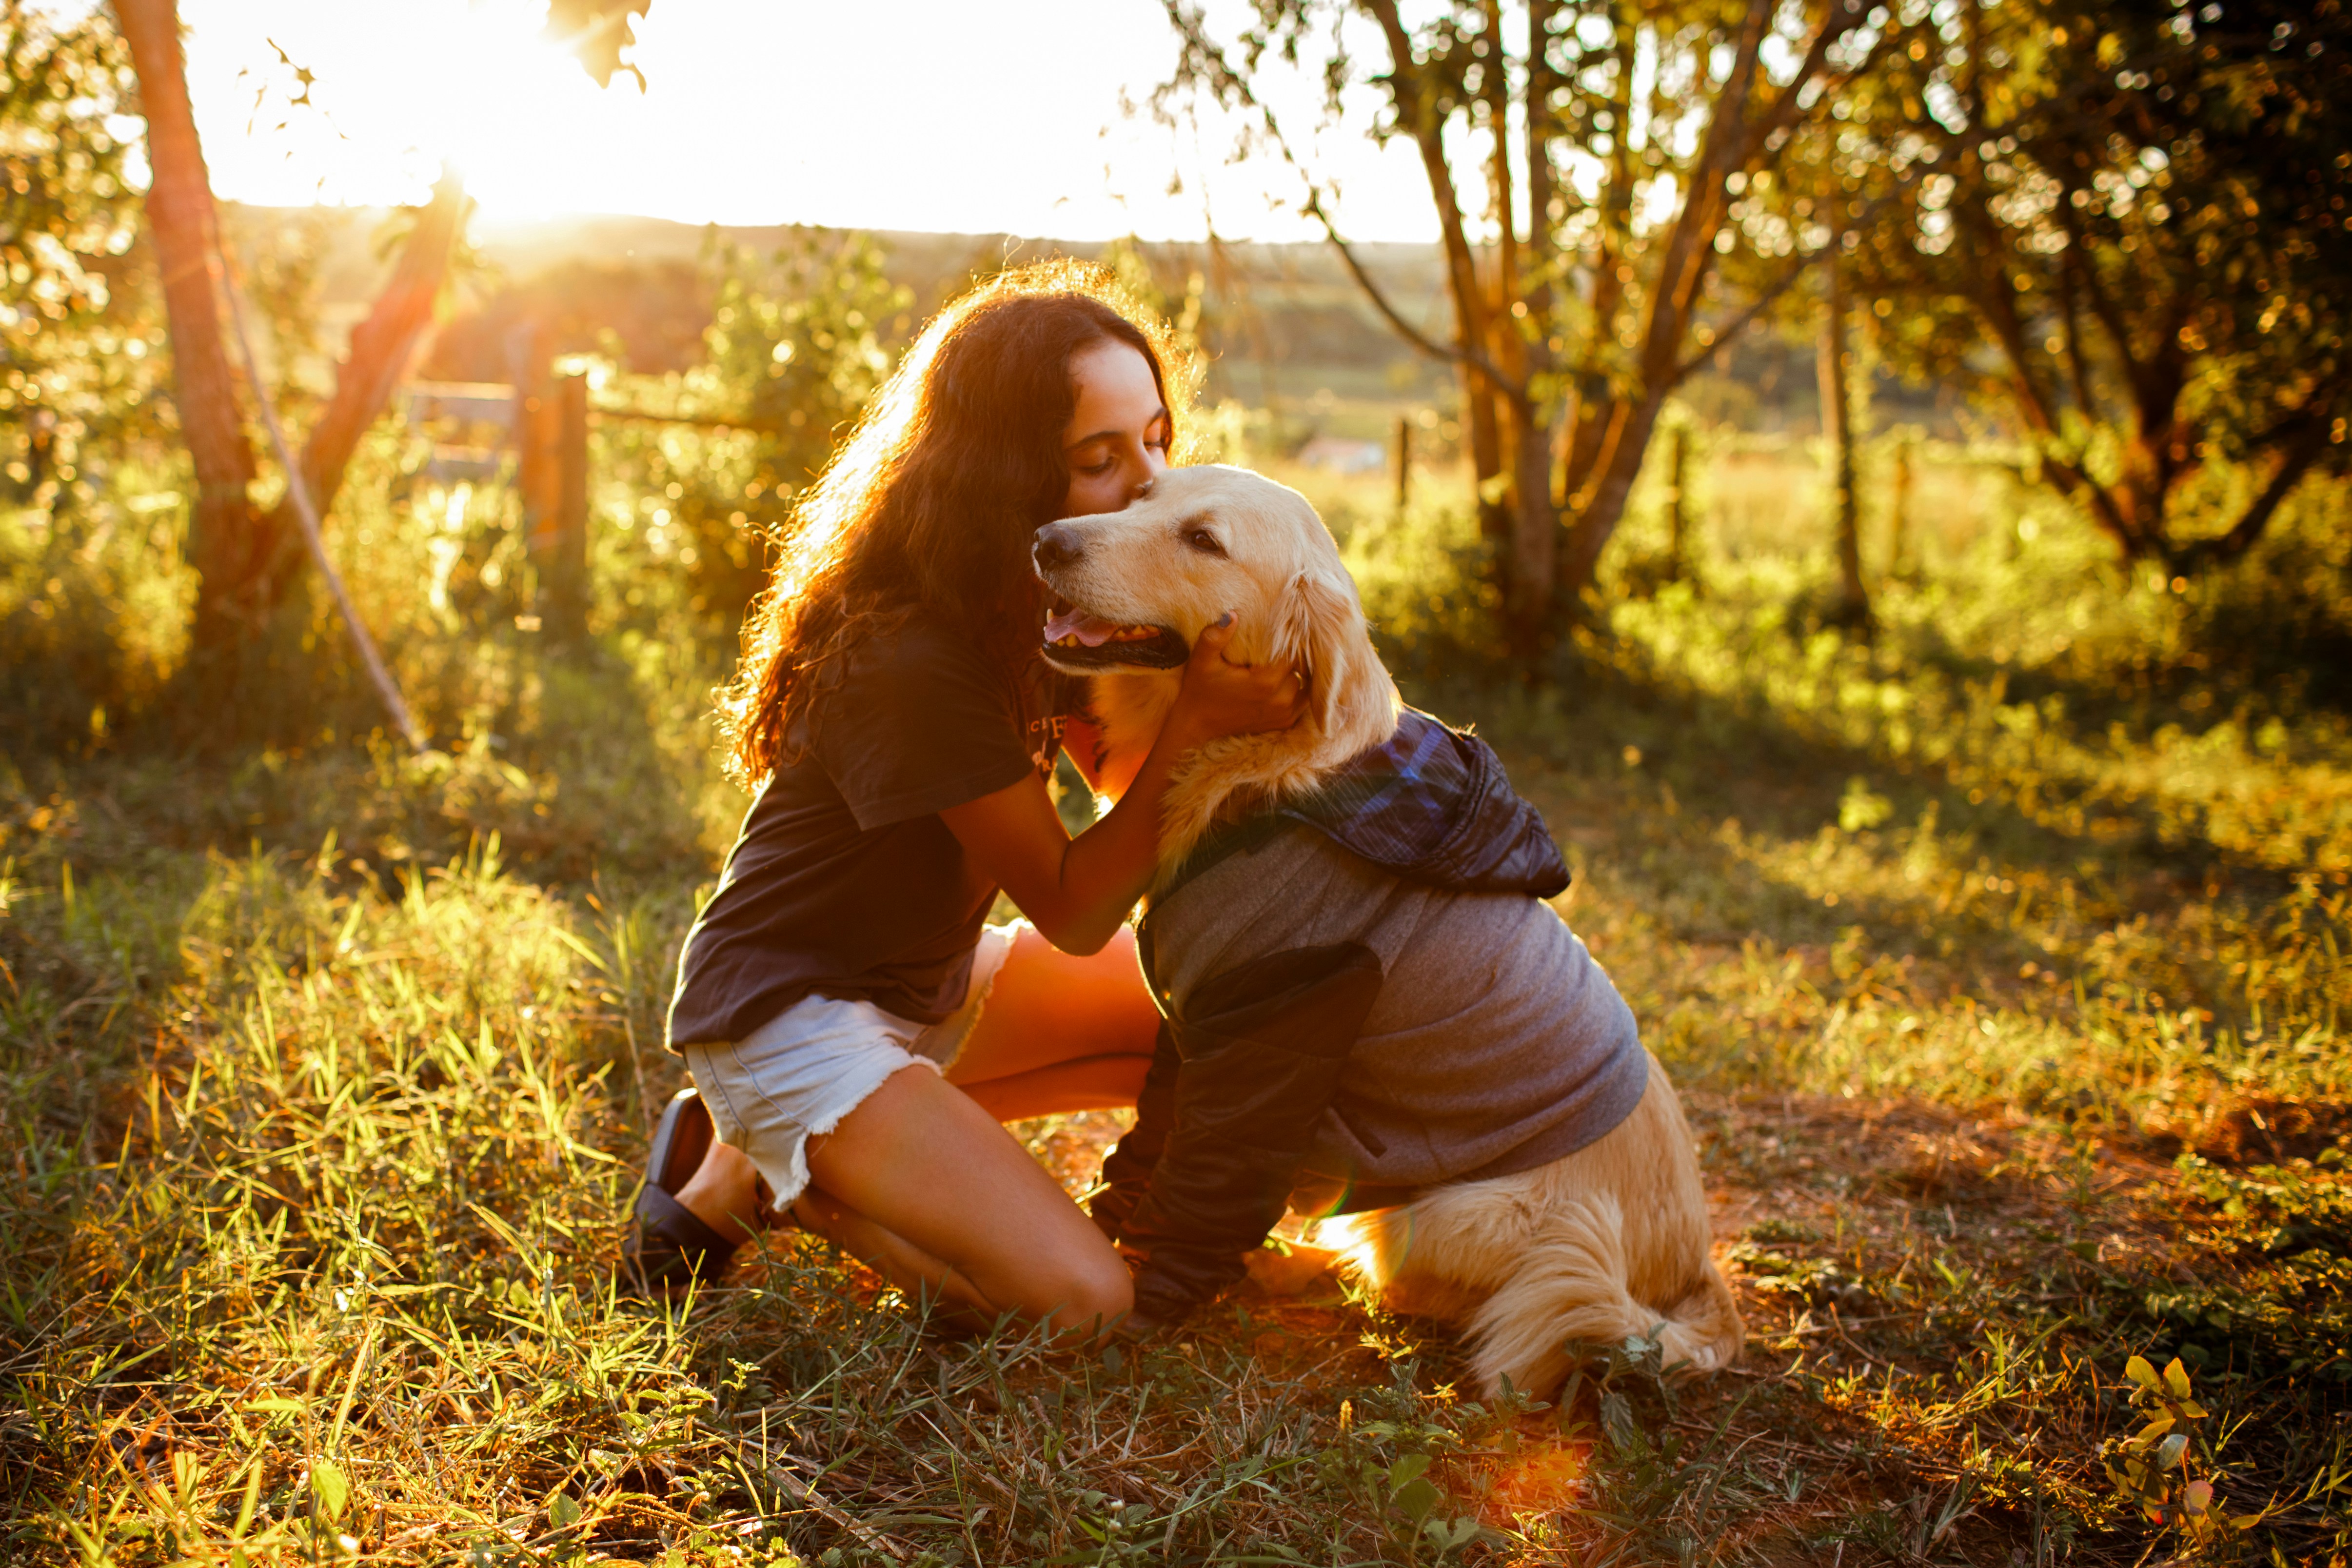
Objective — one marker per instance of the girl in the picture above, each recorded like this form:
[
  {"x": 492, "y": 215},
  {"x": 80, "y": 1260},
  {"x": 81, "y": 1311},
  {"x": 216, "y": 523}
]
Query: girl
[{"x": 855, "y": 1032}]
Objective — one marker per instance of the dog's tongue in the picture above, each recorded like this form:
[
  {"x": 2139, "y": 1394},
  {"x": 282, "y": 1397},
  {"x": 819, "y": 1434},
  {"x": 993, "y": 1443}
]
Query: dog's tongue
[{"x": 1086, "y": 628}]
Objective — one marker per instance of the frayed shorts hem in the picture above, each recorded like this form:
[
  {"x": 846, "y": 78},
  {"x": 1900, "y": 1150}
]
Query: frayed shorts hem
[{"x": 798, "y": 1075}]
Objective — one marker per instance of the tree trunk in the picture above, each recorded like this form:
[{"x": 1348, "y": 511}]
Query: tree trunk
[
  {"x": 226, "y": 541},
  {"x": 1537, "y": 534},
  {"x": 1515, "y": 337},
  {"x": 1598, "y": 411},
  {"x": 1535, "y": 531},
  {"x": 1837, "y": 437},
  {"x": 1604, "y": 505},
  {"x": 1479, "y": 394},
  {"x": 371, "y": 370},
  {"x": 1596, "y": 498}
]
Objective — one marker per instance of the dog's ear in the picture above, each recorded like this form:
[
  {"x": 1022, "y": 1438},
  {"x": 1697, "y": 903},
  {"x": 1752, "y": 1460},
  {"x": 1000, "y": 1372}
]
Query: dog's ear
[{"x": 1322, "y": 632}]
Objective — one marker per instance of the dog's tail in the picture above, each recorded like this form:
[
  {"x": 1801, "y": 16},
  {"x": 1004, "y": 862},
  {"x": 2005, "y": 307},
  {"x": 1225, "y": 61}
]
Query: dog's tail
[{"x": 1571, "y": 1285}]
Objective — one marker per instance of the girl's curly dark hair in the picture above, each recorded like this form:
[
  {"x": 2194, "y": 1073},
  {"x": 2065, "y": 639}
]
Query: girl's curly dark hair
[{"x": 929, "y": 507}]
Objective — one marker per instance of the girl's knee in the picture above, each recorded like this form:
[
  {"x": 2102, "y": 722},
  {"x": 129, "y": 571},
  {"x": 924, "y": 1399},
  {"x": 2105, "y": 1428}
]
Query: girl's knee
[{"x": 1087, "y": 1293}]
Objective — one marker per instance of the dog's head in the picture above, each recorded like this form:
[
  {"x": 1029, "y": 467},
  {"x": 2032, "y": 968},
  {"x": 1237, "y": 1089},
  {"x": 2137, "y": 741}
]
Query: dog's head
[{"x": 1141, "y": 584}]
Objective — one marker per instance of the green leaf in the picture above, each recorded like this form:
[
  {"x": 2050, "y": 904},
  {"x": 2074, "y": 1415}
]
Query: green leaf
[
  {"x": 1407, "y": 1468},
  {"x": 329, "y": 1487},
  {"x": 2176, "y": 1378},
  {"x": 2138, "y": 1370},
  {"x": 1445, "y": 1536},
  {"x": 1416, "y": 1498},
  {"x": 2168, "y": 1454},
  {"x": 563, "y": 1511}
]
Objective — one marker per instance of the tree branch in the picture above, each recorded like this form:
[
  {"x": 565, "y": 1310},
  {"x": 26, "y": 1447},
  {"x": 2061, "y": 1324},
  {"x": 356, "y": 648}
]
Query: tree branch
[
  {"x": 1765, "y": 302},
  {"x": 298, "y": 489},
  {"x": 1459, "y": 353},
  {"x": 2303, "y": 446},
  {"x": 1231, "y": 87}
]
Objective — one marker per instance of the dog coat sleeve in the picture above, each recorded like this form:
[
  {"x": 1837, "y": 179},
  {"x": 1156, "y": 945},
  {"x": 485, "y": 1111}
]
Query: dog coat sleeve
[
  {"x": 1127, "y": 1169},
  {"x": 1261, "y": 1050}
]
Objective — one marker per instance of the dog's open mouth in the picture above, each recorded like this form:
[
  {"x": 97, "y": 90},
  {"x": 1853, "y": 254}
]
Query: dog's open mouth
[{"x": 1080, "y": 642}]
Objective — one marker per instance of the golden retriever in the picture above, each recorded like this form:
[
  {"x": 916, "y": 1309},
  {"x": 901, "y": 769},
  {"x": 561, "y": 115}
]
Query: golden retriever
[{"x": 1608, "y": 1243}]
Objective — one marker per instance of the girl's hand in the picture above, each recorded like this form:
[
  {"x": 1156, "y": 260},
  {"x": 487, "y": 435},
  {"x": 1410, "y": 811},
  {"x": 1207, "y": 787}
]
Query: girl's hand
[
  {"x": 1076, "y": 892},
  {"x": 1220, "y": 698}
]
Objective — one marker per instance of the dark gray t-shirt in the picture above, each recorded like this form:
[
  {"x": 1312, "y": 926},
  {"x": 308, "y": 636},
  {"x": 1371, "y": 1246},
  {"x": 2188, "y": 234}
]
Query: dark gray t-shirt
[{"x": 843, "y": 880}]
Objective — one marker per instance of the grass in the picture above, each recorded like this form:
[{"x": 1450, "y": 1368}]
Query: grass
[{"x": 2000, "y": 955}]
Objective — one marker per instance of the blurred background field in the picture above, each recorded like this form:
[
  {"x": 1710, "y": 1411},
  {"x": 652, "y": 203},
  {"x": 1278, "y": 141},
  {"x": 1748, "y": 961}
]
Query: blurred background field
[{"x": 1997, "y": 935}]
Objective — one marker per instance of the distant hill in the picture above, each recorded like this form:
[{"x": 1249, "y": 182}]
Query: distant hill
[
  {"x": 1281, "y": 320},
  {"x": 1288, "y": 330}
]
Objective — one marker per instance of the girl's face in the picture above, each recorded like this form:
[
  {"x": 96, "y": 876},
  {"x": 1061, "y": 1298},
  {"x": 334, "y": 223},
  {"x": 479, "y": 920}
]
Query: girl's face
[{"x": 1118, "y": 437}]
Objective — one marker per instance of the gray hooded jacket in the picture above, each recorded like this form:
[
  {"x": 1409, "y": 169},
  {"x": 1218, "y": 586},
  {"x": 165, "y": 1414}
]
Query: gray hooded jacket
[{"x": 1366, "y": 996}]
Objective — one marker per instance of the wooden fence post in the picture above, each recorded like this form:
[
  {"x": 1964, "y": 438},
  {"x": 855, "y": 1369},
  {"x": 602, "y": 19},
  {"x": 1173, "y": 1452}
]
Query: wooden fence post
[
  {"x": 1677, "y": 500},
  {"x": 550, "y": 432},
  {"x": 1403, "y": 462},
  {"x": 1898, "y": 516},
  {"x": 534, "y": 438},
  {"x": 564, "y": 576}
]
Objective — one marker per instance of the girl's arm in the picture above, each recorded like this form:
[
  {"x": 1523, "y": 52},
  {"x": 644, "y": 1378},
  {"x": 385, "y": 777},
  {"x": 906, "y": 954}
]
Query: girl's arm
[
  {"x": 1109, "y": 773},
  {"x": 1075, "y": 891}
]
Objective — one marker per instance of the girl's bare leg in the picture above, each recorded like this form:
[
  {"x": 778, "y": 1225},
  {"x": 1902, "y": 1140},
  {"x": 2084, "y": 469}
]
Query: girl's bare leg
[
  {"x": 723, "y": 1191},
  {"x": 922, "y": 1185},
  {"x": 921, "y": 1163},
  {"x": 1058, "y": 1033}
]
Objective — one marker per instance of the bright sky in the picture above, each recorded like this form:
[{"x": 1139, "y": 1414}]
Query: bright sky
[{"x": 911, "y": 114}]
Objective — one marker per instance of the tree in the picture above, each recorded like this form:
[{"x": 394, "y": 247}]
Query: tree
[
  {"x": 223, "y": 529},
  {"x": 2141, "y": 210},
  {"x": 1613, "y": 139},
  {"x": 246, "y": 558},
  {"x": 1835, "y": 360}
]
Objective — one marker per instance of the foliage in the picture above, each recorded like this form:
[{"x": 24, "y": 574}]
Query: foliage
[
  {"x": 92, "y": 611},
  {"x": 596, "y": 31},
  {"x": 2143, "y": 1465},
  {"x": 2137, "y": 209},
  {"x": 94, "y": 607},
  {"x": 794, "y": 346},
  {"x": 1627, "y": 131},
  {"x": 78, "y": 337}
]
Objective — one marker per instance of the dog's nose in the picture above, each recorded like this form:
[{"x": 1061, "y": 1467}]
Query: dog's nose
[{"x": 1057, "y": 545}]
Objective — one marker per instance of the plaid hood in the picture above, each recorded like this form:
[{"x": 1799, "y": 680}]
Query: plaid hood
[{"x": 1431, "y": 804}]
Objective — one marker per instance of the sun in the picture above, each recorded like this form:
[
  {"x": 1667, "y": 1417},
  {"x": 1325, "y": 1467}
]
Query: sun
[
  {"x": 366, "y": 106},
  {"x": 930, "y": 115}
]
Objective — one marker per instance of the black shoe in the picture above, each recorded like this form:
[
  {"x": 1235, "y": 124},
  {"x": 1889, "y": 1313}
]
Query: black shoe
[{"x": 668, "y": 1246}]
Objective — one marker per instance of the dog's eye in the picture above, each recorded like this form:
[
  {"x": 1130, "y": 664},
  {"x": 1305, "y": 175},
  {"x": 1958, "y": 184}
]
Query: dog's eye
[{"x": 1201, "y": 539}]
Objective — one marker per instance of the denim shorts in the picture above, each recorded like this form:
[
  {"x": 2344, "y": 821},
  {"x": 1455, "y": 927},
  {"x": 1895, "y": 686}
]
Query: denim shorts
[{"x": 796, "y": 1076}]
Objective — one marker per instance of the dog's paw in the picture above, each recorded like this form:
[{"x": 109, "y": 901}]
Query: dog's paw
[{"x": 1280, "y": 1274}]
